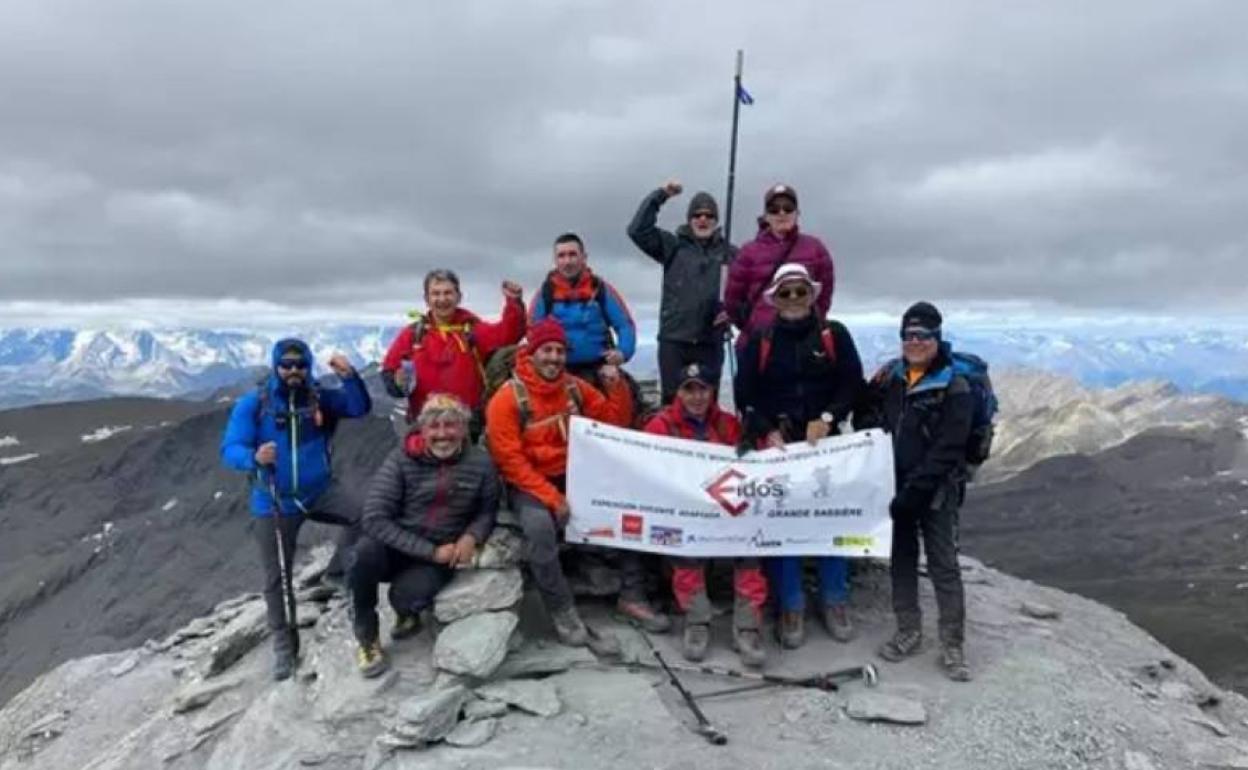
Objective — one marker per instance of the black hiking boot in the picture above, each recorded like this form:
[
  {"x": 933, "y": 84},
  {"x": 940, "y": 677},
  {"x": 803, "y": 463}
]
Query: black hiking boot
[
  {"x": 370, "y": 659},
  {"x": 405, "y": 626},
  {"x": 901, "y": 646},
  {"x": 953, "y": 661},
  {"x": 285, "y": 653}
]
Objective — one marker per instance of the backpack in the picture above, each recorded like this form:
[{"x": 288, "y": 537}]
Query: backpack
[
  {"x": 420, "y": 327},
  {"x": 975, "y": 370},
  {"x": 598, "y": 287},
  {"x": 826, "y": 339},
  {"x": 521, "y": 392}
]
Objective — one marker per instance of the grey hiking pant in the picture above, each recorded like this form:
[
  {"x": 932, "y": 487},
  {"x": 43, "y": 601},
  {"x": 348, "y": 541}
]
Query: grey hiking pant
[
  {"x": 337, "y": 505},
  {"x": 939, "y": 530},
  {"x": 542, "y": 535}
]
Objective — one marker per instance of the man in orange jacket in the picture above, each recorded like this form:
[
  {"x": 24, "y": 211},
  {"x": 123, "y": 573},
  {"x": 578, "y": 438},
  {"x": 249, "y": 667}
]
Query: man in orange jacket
[
  {"x": 448, "y": 346},
  {"x": 694, "y": 415},
  {"x": 528, "y": 438}
]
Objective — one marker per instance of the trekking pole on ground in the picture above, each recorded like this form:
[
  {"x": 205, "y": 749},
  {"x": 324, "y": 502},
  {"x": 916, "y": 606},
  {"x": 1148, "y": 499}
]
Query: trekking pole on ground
[
  {"x": 288, "y": 591},
  {"x": 829, "y": 682},
  {"x": 705, "y": 728}
]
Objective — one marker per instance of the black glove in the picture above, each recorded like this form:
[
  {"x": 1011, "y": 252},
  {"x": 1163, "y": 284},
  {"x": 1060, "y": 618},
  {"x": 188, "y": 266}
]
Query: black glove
[
  {"x": 392, "y": 387},
  {"x": 910, "y": 502}
]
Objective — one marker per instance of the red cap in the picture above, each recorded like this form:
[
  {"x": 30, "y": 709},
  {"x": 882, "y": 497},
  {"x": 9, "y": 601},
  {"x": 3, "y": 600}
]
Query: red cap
[{"x": 546, "y": 330}]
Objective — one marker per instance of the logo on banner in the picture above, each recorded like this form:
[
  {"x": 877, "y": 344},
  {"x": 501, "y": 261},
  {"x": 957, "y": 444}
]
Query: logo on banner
[
  {"x": 760, "y": 540},
  {"x": 631, "y": 525},
  {"x": 734, "y": 491},
  {"x": 608, "y": 532},
  {"x": 670, "y": 536}
]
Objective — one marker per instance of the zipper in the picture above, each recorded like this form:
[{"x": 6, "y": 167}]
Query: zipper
[
  {"x": 293, "y": 417},
  {"x": 439, "y": 495}
]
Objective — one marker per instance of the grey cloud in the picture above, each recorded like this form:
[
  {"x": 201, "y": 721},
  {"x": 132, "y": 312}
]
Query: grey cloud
[{"x": 309, "y": 152}]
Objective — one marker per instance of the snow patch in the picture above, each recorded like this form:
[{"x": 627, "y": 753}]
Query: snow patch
[
  {"x": 15, "y": 459},
  {"x": 9, "y": 441},
  {"x": 105, "y": 432},
  {"x": 168, "y": 506}
]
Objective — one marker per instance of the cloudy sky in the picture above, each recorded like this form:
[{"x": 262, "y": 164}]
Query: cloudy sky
[{"x": 181, "y": 162}]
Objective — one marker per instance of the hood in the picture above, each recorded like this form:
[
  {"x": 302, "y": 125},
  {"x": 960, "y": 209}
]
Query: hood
[
  {"x": 536, "y": 385},
  {"x": 281, "y": 345},
  {"x": 584, "y": 283}
]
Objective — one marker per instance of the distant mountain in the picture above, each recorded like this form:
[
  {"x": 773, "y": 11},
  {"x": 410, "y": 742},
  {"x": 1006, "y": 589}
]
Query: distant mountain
[{"x": 51, "y": 365}]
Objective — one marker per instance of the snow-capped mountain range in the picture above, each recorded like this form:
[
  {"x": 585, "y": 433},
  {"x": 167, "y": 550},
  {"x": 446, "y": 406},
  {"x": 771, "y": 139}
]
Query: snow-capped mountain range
[{"x": 39, "y": 365}]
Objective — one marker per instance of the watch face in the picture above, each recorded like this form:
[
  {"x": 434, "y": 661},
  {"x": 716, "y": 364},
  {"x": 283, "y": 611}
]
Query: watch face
[{"x": 829, "y": 419}]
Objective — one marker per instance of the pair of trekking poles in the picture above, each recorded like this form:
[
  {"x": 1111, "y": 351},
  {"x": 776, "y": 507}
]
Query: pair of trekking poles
[{"x": 827, "y": 682}]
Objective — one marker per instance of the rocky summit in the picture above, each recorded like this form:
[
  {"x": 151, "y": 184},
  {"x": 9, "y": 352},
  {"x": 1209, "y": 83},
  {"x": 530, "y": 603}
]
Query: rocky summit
[{"x": 1060, "y": 682}]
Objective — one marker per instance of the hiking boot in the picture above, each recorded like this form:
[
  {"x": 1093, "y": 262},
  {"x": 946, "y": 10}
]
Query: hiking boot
[
  {"x": 370, "y": 659},
  {"x": 953, "y": 661},
  {"x": 902, "y": 645},
  {"x": 405, "y": 626},
  {"x": 748, "y": 643},
  {"x": 569, "y": 628},
  {"x": 695, "y": 641},
  {"x": 640, "y": 610},
  {"x": 791, "y": 629},
  {"x": 285, "y": 653},
  {"x": 603, "y": 644},
  {"x": 836, "y": 620}
]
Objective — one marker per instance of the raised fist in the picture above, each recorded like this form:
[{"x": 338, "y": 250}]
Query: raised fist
[{"x": 672, "y": 187}]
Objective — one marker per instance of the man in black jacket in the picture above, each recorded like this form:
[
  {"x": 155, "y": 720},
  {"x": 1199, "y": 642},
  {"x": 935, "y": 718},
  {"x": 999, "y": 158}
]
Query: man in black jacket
[
  {"x": 928, "y": 410},
  {"x": 431, "y": 503},
  {"x": 691, "y": 325},
  {"x": 798, "y": 379}
]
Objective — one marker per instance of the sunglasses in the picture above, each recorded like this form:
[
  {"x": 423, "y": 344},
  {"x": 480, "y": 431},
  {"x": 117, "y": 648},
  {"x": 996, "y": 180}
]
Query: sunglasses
[
  {"x": 778, "y": 210},
  {"x": 291, "y": 364},
  {"x": 703, "y": 215},
  {"x": 796, "y": 292},
  {"x": 917, "y": 335}
]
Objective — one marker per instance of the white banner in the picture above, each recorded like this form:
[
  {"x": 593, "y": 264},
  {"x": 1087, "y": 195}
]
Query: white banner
[{"x": 666, "y": 495}]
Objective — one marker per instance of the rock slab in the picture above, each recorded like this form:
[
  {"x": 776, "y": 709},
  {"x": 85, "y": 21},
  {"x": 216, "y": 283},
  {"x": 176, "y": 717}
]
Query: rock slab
[
  {"x": 469, "y": 734},
  {"x": 476, "y": 645},
  {"x": 428, "y": 718},
  {"x": 878, "y": 707},
  {"x": 534, "y": 696},
  {"x": 478, "y": 590}
]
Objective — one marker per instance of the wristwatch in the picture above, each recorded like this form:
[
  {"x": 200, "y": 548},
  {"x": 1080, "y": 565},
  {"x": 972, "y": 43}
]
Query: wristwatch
[{"x": 828, "y": 418}]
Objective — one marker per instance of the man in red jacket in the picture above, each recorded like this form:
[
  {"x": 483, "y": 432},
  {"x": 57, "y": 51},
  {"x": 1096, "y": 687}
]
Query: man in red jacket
[
  {"x": 694, "y": 415},
  {"x": 448, "y": 346},
  {"x": 778, "y": 242}
]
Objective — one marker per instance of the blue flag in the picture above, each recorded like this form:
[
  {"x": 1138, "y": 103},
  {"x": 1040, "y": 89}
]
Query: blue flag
[{"x": 743, "y": 96}]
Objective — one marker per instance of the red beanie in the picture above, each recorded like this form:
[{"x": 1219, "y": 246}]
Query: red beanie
[{"x": 546, "y": 330}]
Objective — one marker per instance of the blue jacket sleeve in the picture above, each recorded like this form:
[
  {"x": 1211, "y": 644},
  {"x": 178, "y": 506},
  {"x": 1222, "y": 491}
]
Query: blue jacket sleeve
[
  {"x": 238, "y": 445},
  {"x": 622, "y": 322},
  {"x": 351, "y": 400}
]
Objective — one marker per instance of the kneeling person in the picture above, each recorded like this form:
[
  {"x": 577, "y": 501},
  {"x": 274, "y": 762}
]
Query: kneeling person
[
  {"x": 432, "y": 501},
  {"x": 693, "y": 414}
]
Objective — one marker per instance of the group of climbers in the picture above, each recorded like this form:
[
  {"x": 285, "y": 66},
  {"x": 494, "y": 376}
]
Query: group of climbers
[{"x": 799, "y": 378}]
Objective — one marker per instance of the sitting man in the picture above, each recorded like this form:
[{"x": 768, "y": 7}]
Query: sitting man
[
  {"x": 694, "y": 415},
  {"x": 527, "y": 431},
  {"x": 431, "y": 503},
  {"x": 799, "y": 377}
]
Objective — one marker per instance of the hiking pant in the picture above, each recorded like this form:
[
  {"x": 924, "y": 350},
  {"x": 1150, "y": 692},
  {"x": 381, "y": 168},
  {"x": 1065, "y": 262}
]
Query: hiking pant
[
  {"x": 749, "y": 589},
  {"x": 939, "y": 528},
  {"x": 541, "y": 532},
  {"x": 337, "y": 505},
  {"x": 413, "y": 584},
  {"x": 674, "y": 356},
  {"x": 785, "y": 573}
]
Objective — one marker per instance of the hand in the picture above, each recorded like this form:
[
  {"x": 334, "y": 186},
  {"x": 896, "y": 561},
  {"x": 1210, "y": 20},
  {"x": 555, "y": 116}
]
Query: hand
[
  {"x": 722, "y": 321},
  {"x": 341, "y": 365},
  {"x": 562, "y": 512},
  {"x": 613, "y": 357},
  {"x": 266, "y": 453},
  {"x": 609, "y": 374},
  {"x": 673, "y": 188},
  {"x": 775, "y": 440},
  {"x": 444, "y": 554},
  {"x": 512, "y": 290},
  {"x": 815, "y": 430},
  {"x": 465, "y": 550}
]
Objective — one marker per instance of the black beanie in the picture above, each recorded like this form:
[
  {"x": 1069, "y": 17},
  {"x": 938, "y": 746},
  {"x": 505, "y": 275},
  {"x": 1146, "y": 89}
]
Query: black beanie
[
  {"x": 923, "y": 314},
  {"x": 702, "y": 201}
]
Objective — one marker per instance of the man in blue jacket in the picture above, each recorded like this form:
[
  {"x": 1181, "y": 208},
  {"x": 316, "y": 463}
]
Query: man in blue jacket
[
  {"x": 600, "y": 330},
  {"x": 280, "y": 434}
]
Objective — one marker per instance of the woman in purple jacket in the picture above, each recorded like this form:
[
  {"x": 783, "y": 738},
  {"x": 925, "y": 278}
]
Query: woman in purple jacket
[{"x": 778, "y": 242}]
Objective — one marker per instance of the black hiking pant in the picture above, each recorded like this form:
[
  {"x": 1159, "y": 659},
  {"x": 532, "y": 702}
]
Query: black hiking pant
[
  {"x": 413, "y": 584},
  {"x": 337, "y": 505},
  {"x": 939, "y": 530},
  {"x": 674, "y": 356}
]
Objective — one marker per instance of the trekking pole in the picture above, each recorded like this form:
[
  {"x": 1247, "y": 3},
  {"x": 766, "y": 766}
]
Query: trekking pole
[
  {"x": 828, "y": 682},
  {"x": 705, "y": 728},
  {"x": 738, "y": 95},
  {"x": 288, "y": 591}
]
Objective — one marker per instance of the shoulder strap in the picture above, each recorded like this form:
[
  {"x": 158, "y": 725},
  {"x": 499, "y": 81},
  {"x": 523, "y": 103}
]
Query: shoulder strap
[
  {"x": 548, "y": 295},
  {"x": 764, "y": 349},
  {"x": 574, "y": 395},
  {"x": 521, "y": 393},
  {"x": 418, "y": 327},
  {"x": 828, "y": 339}
]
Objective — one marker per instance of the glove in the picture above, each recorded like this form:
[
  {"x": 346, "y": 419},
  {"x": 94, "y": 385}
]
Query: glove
[
  {"x": 392, "y": 387},
  {"x": 909, "y": 502}
]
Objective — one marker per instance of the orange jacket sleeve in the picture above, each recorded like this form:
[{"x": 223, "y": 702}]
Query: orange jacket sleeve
[
  {"x": 615, "y": 408},
  {"x": 508, "y": 330},
  {"x": 502, "y": 419},
  {"x": 400, "y": 349}
]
